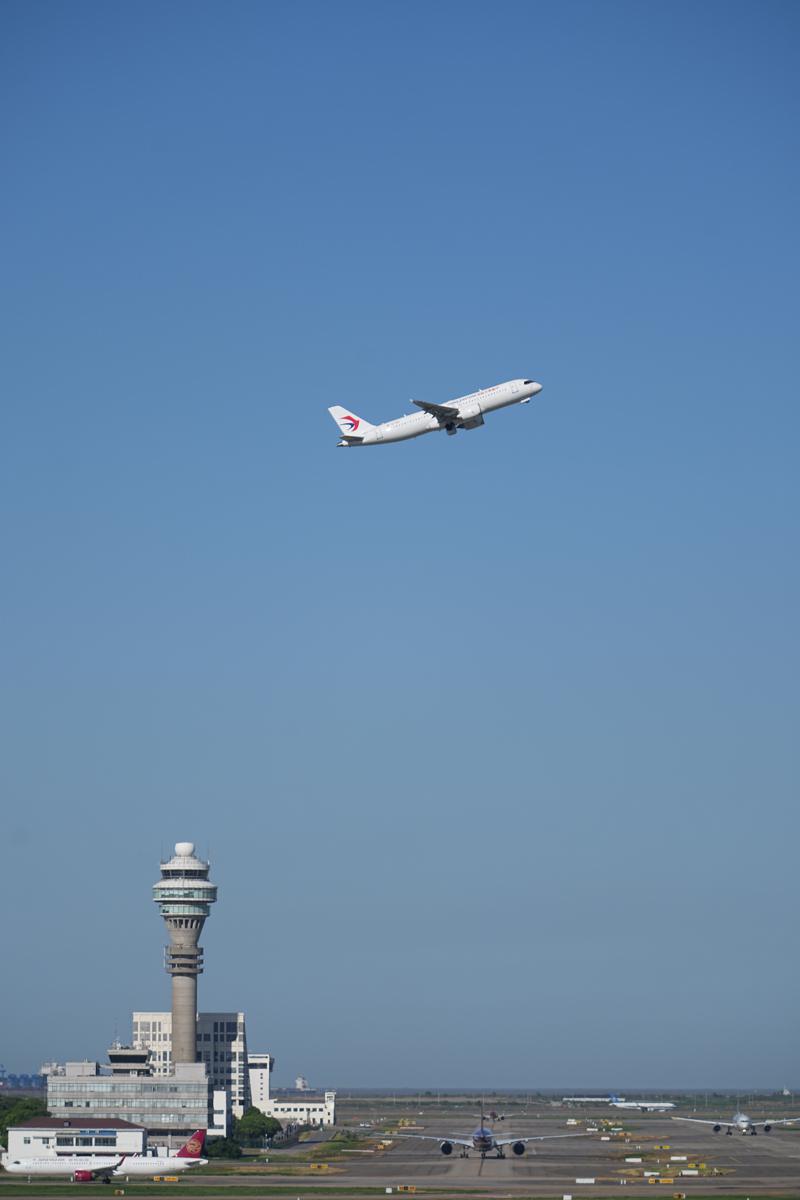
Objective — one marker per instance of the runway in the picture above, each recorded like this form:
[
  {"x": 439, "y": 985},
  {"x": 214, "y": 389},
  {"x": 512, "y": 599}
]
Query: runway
[{"x": 766, "y": 1164}]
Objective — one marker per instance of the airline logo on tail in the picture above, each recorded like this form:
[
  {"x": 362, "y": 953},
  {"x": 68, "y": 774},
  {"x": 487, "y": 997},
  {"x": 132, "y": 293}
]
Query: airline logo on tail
[
  {"x": 194, "y": 1147},
  {"x": 351, "y": 422}
]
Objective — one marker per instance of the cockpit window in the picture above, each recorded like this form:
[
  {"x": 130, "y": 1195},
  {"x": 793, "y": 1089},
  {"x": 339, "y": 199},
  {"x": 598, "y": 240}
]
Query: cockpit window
[{"x": 527, "y": 381}]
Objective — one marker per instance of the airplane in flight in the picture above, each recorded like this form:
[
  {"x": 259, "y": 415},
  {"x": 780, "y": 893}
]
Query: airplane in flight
[
  {"x": 642, "y": 1105},
  {"x": 483, "y": 1141},
  {"x": 739, "y": 1123},
  {"x": 467, "y": 412},
  {"x": 84, "y": 1168}
]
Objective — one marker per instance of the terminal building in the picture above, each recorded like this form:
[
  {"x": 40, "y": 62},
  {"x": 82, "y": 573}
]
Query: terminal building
[
  {"x": 171, "y": 1104},
  {"x": 221, "y": 1045}
]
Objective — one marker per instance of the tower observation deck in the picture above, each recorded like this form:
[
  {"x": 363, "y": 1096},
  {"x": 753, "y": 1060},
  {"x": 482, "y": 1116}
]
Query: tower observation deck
[{"x": 184, "y": 896}]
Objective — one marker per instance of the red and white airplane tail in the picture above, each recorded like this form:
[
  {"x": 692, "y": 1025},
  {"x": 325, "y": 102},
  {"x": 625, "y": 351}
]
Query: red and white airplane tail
[
  {"x": 351, "y": 427},
  {"x": 194, "y": 1146}
]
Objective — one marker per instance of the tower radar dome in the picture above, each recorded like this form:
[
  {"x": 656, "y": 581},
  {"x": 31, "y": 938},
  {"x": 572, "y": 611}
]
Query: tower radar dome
[{"x": 184, "y": 849}]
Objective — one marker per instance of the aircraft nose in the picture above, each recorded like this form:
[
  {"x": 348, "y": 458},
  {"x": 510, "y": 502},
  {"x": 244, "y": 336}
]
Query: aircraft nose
[{"x": 535, "y": 387}]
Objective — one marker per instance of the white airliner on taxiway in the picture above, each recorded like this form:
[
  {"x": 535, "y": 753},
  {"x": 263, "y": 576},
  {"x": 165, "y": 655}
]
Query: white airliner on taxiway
[
  {"x": 85, "y": 1167},
  {"x": 621, "y": 1102},
  {"x": 465, "y": 413},
  {"x": 740, "y": 1123},
  {"x": 483, "y": 1140},
  {"x": 642, "y": 1105}
]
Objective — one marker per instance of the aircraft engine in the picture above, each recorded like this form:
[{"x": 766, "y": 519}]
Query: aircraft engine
[
  {"x": 83, "y": 1176},
  {"x": 470, "y": 416},
  {"x": 518, "y": 1147},
  {"x": 446, "y": 1147},
  {"x": 717, "y": 1128},
  {"x": 767, "y": 1129}
]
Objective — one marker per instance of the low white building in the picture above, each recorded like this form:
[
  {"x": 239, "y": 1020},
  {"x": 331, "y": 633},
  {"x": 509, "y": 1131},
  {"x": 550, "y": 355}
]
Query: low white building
[
  {"x": 300, "y": 1108},
  {"x": 42, "y": 1137},
  {"x": 303, "y": 1108}
]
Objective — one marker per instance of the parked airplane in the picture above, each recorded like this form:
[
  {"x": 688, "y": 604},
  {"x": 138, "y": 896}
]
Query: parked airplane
[
  {"x": 86, "y": 1167},
  {"x": 642, "y": 1105},
  {"x": 483, "y": 1141},
  {"x": 467, "y": 412},
  {"x": 740, "y": 1123}
]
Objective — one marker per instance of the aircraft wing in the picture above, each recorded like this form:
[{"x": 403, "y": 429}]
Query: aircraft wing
[
  {"x": 105, "y": 1173},
  {"x": 442, "y": 412},
  {"x": 430, "y": 1137},
  {"x": 539, "y": 1137},
  {"x": 701, "y": 1121}
]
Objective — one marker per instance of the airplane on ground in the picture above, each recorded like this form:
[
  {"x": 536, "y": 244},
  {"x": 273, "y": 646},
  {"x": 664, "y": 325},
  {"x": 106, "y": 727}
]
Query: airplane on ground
[
  {"x": 467, "y": 412},
  {"x": 642, "y": 1105},
  {"x": 84, "y": 1168},
  {"x": 740, "y": 1123},
  {"x": 484, "y": 1141},
  {"x": 621, "y": 1102}
]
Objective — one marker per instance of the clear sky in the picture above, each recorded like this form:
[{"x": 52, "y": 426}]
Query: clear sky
[{"x": 492, "y": 739}]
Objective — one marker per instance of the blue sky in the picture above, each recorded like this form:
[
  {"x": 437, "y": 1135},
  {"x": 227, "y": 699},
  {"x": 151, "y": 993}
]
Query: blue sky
[{"x": 494, "y": 732}]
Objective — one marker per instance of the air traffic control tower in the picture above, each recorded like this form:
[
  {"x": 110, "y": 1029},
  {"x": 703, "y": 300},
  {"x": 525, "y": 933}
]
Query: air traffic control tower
[{"x": 184, "y": 896}]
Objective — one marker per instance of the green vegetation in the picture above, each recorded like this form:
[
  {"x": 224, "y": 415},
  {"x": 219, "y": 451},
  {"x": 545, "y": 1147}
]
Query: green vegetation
[
  {"x": 252, "y": 1128},
  {"x": 249, "y": 1130},
  {"x": 14, "y": 1110},
  {"x": 223, "y": 1148}
]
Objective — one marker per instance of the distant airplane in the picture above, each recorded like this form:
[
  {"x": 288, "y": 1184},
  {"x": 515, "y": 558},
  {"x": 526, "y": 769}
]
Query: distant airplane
[
  {"x": 84, "y": 1168},
  {"x": 740, "y": 1122},
  {"x": 465, "y": 413},
  {"x": 642, "y": 1105},
  {"x": 483, "y": 1141}
]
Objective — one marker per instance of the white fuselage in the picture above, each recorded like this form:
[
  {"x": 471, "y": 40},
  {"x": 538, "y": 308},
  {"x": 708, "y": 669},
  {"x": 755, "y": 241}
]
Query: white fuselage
[
  {"x": 144, "y": 1165},
  {"x": 644, "y": 1105},
  {"x": 69, "y": 1164},
  {"x": 466, "y": 410},
  {"x": 55, "y": 1164}
]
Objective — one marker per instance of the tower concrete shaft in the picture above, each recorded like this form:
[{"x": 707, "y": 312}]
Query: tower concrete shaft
[{"x": 184, "y": 895}]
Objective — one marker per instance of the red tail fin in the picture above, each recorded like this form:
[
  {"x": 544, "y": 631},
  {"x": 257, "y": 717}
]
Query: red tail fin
[{"x": 194, "y": 1147}]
